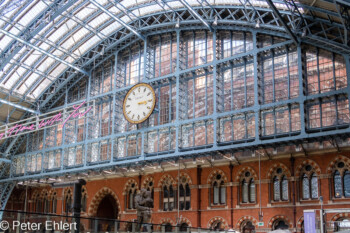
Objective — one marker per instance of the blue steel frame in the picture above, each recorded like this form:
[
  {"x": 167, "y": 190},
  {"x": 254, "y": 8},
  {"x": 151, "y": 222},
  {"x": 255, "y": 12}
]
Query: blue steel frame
[{"x": 226, "y": 18}]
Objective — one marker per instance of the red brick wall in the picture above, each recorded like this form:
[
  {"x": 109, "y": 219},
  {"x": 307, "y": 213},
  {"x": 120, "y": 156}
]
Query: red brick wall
[{"x": 232, "y": 219}]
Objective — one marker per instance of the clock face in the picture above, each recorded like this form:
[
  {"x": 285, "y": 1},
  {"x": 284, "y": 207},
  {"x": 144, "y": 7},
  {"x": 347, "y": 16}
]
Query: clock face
[{"x": 139, "y": 103}]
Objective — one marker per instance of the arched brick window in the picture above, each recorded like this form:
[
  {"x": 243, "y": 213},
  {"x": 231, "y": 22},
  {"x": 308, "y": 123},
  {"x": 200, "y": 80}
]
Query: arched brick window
[
  {"x": 83, "y": 199},
  {"x": 168, "y": 193},
  {"x": 280, "y": 187},
  {"x": 309, "y": 183},
  {"x": 37, "y": 203},
  {"x": 130, "y": 192},
  {"x": 341, "y": 180},
  {"x": 217, "y": 180},
  {"x": 53, "y": 203},
  {"x": 45, "y": 202},
  {"x": 67, "y": 201},
  {"x": 248, "y": 192},
  {"x": 185, "y": 193}
]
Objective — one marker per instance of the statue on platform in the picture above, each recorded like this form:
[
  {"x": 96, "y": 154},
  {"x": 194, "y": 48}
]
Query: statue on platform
[{"x": 143, "y": 204}]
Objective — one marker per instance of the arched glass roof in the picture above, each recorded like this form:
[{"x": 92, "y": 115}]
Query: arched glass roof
[{"x": 41, "y": 40}]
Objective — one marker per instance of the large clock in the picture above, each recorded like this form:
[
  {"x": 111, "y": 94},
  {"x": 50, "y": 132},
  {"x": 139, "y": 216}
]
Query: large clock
[{"x": 139, "y": 103}]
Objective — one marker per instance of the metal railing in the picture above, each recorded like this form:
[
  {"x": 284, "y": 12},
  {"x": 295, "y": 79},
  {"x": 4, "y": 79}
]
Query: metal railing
[{"x": 19, "y": 221}]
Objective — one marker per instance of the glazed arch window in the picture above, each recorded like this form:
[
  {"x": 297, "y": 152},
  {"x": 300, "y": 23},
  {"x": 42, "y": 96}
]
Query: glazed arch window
[
  {"x": 280, "y": 186},
  {"x": 309, "y": 183},
  {"x": 45, "y": 203},
  {"x": 341, "y": 181},
  {"x": 248, "y": 188},
  {"x": 218, "y": 190},
  {"x": 130, "y": 197},
  {"x": 168, "y": 196},
  {"x": 53, "y": 203},
  {"x": 83, "y": 200},
  {"x": 37, "y": 203},
  {"x": 67, "y": 204},
  {"x": 185, "y": 194}
]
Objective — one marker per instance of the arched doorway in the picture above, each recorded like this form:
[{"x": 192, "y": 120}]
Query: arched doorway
[
  {"x": 107, "y": 209},
  {"x": 280, "y": 224},
  {"x": 248, "y": 227}
]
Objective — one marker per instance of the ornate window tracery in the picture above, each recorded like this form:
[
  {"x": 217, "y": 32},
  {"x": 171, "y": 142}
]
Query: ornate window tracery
[
  {"x": 309, "y": 183},
  {"x": 280, "y": 188}
]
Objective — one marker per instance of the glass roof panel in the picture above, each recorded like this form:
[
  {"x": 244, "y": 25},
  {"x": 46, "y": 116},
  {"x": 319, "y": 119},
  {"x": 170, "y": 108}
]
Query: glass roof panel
[
  {"x": 66, "y": 34},
  {"x": 41, "y": 87},
  {"x": 28, "y": 83},
  {"x": 32, "y": 13}
]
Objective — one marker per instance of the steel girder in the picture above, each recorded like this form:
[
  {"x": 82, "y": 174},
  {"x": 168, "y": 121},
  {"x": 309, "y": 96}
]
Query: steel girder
[
  {"x": 210, "y": 150},
  {"x": 251, "y": 16},
  {"x": 5, "y": 193},
  {"x": 225, "y": 15}
]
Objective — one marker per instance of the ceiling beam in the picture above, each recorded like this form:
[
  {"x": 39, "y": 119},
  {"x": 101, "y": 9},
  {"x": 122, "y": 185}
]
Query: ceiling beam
[
  {"x": 42, "y": 51},
  {"x": 189, "y": 7},
  {"x": 278, "y": 14},
  {"x": 117, "y": 19},
  {"x": 19, "y": 106}
]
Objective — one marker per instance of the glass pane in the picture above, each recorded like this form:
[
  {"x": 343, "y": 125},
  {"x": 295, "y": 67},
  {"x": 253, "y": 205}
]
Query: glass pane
[
  {"x": 284, "y": 189},
  {"x": 314, "y": 186},
  {"x": 306, "y": 187},
  {"x": 215, "y": 194},
  {"x": 222, "y": 194},
  {"x": 338, "y": 191},
  {"x": 244, "y": 192},
  {"x": 347, "y": 184},
  {"x": 276, "y": 189},
  {"x": 252, "y": 191}
]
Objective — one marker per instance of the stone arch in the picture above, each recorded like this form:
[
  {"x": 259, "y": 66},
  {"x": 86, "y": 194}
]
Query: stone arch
[
  {"x": 300, "y": 222},
  {"x": 244, "y": 169},
  {"x": 214, "y": 173},
  {"x": 165, "y": 221},
  {"x": 43, "y": 192},
  {"x": 146, "y": 181},
  {"x": 246, "y": 218},
  {"x": 128, "y": 184},
  {"x": 98, "y": 198},
  {"x": 285, "y": 170},
  {"x": 337, "y": 159},
  {"x": 184, "y": 174},
  {"x": 165, "y": 178},
  {"x": 185, "y": 220},
  {"x": 216, "y": 219},
  {"x": 340, "y": 215},
  {"x": 65, "y": 191},
  {"x": 35, "y": 194},
  {"x": 282, "y": 217},
  {"x": 308, "y": 162}
]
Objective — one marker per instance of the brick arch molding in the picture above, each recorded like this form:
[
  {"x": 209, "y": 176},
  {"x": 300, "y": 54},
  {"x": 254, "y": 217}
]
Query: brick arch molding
[
  {"x": 244, "y": 169},
  {"x": 272, "y": 220},
  {"x": 98, "y": 198},
  {"x": 246, "y": 218},
  {"x": 221, "y": 219},
  {"x": 165, "y": 177},
  {"x": 276, "y": 165},
  {"x": 127, "y": 185},
  {"x": 308, "y": 162},
  {"x": 340, "y": 215},
  {"x": 339, "y": 158},
  {"x": 146, "y": 181},
  {"x": 216, "y": 172},
  {"x": 184, "y": 174}
]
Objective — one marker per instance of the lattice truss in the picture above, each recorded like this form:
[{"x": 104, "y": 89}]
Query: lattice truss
[{"x": 196, "y": 89}]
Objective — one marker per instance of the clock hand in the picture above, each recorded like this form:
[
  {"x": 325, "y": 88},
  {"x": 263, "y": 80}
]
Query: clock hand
[{"x": 142, "y": 102}]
